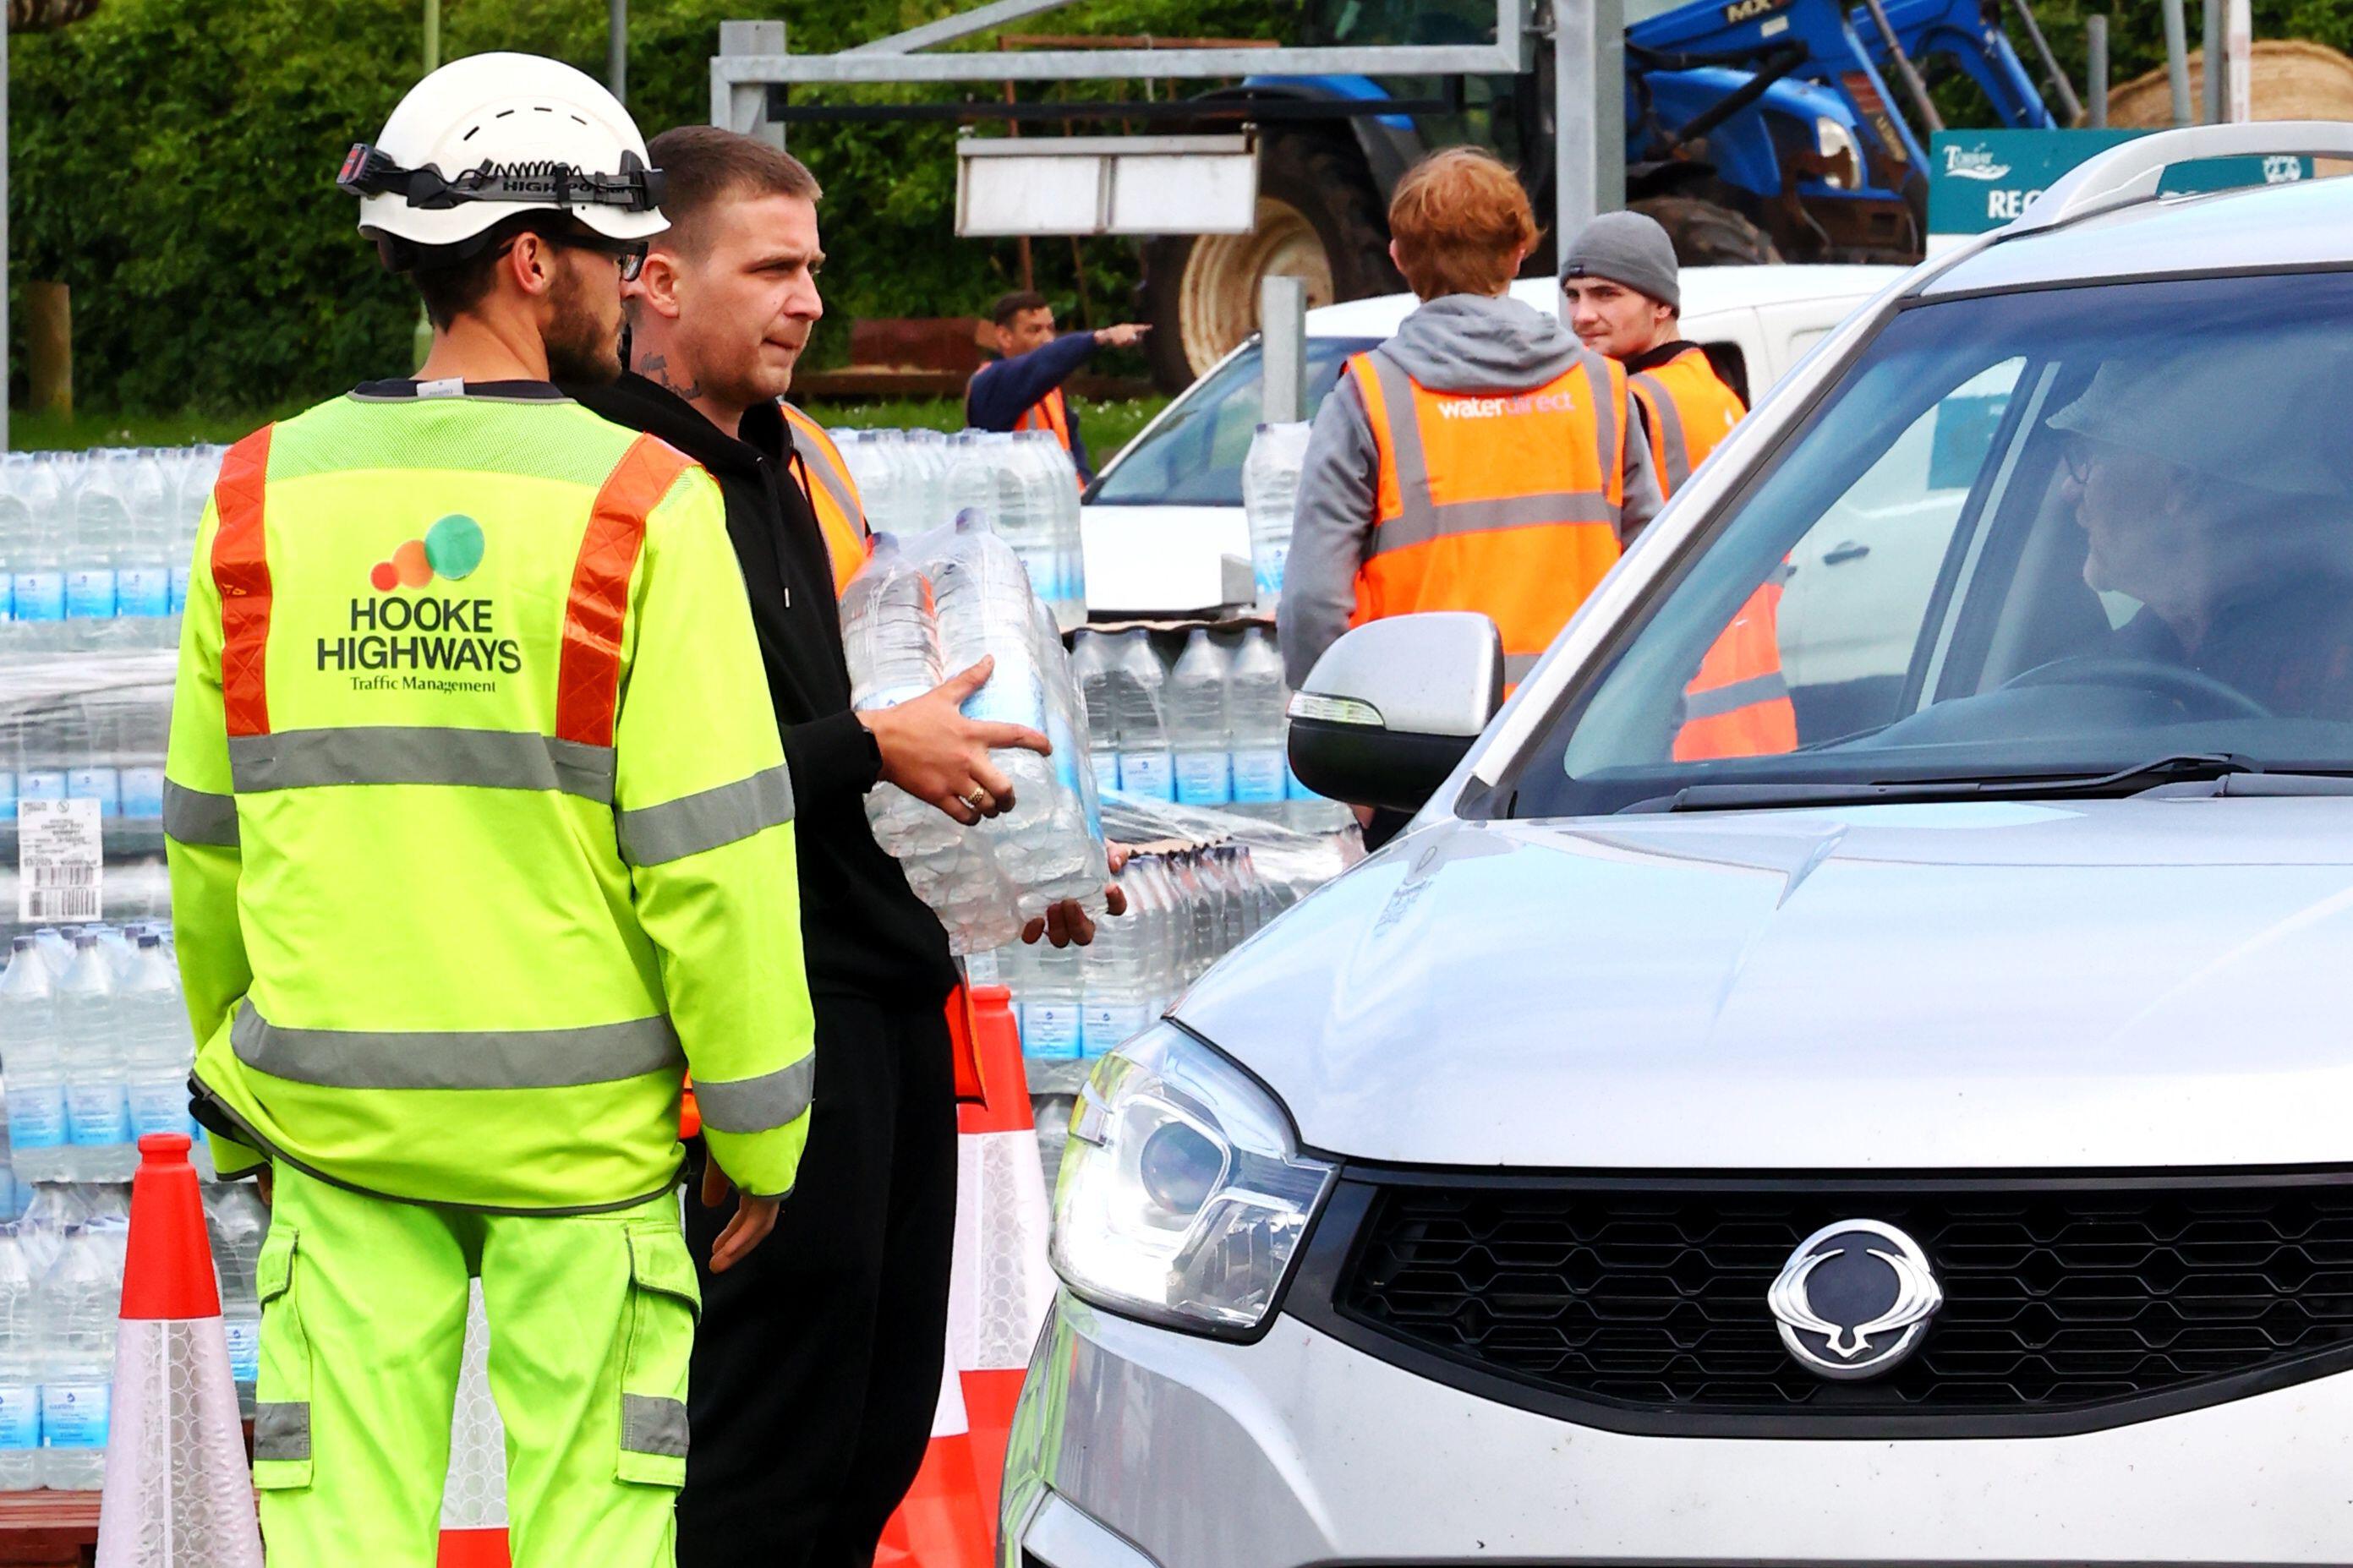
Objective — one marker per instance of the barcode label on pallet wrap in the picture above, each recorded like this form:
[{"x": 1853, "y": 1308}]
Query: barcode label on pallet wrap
[{"x": 60, "y": 861}]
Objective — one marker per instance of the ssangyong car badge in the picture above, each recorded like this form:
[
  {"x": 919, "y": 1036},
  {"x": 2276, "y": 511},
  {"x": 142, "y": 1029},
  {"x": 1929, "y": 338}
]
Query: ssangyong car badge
[{"x": 1855, "y": 1299}]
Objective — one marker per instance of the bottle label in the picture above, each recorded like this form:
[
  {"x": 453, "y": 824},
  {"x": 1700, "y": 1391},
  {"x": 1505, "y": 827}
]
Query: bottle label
[
  {"x": 37, "y": 1117},
  {"x": 181, "y": 577},
  {"x": 7, "y": 794},
  {"x": 38, "y": 597},
  {"x": 1292, "y": 788},
  {"x": 20, "y": 1415},
  {"x": 1204, "y": 778},
  {"x": 1050, "y": 1030},
  {"x": 1011, "y": 696},
  {"x": 244, "y": 1349},
  {"x": 97, "y": 1115},
  {"x": 159, "y": 1107},
  {"x": 41, "y": 783},
  {"x": 1266, "y": 570},
  {"x": 73, "y": 1415},
  {"x": 144, "y": 591},
  {"x": 1106, "y": 770},
  {"x": 90, "y": 594},
  {"x": 1145, "y": 773},
  {"x": 143, "y": 794},
  {"x": 1109, "y": 1024},
  {"x": 104, "y": 786},
  {"x": 1259, "y": 777},
  {"x": 888, "y": 696}
]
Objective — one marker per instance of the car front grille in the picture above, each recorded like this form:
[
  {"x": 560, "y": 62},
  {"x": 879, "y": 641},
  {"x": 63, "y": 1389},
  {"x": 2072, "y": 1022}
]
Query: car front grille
[{"x": 2063, "y": 1298}]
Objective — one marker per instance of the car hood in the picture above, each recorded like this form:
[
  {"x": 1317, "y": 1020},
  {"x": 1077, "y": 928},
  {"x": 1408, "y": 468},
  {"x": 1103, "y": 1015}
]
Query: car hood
[{"x": 2025, "y": 986}]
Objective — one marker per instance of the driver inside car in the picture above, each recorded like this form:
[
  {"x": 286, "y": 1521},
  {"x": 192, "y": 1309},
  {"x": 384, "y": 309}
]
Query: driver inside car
[{"x": 2230, "y": 527}]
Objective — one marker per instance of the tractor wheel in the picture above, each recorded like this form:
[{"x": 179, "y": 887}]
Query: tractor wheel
[
  {"x": 1707, "y": 234},
  {"x": 1318, "y": 219}
]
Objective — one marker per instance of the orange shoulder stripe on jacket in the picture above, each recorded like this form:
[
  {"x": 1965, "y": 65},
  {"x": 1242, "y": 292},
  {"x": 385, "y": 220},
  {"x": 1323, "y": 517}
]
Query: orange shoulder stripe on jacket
[
  {"x": 588, "y": 673},
  {"x": 241, "y": 573}
]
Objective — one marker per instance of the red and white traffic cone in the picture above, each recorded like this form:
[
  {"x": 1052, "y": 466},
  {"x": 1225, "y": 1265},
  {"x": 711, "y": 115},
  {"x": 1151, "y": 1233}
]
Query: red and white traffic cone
[
  {"x": 474, "y": 1493},
  {"x": 1002, "y": 1286},
  {"x": 177, "y": 1491}
]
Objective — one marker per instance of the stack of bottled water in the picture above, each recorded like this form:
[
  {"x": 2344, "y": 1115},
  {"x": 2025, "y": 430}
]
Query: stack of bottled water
[
  {"x": 88, "y": 726},
  {"x": 237, "y": 1220},
  {"x": 943, "y": 603},
  {"x": 1211, "y": 732},
  {"x": 1187, "y": 908},
  {"x": 1023, "y": 485},
  {"x": 96, "y": 548},
  {"x": 1270, "y": 496},
  {"x": 95, "y": 1046}
]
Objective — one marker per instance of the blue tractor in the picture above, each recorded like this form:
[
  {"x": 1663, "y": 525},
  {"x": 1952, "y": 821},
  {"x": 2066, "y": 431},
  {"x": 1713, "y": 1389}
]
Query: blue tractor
[{"x": 1756, "y": 131}]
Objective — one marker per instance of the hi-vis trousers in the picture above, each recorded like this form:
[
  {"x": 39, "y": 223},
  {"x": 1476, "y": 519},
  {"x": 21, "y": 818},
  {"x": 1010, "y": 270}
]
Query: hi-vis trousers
[{"x": 362, "y": 1324}]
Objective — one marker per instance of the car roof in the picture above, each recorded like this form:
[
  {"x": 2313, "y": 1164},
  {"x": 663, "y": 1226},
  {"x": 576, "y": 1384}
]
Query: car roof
[
  {"x": 2282, "y": 227},
  {"x": 1705, "y": 289}
]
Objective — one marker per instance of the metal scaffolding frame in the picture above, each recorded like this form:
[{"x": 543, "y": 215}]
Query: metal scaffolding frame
[{"x": 1586, "y": 37}]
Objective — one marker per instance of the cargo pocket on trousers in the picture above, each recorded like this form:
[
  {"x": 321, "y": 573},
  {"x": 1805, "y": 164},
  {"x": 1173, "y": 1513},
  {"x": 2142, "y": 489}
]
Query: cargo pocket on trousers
[
  {"x": 656, "y": 1342},
  {"x": 282, "y": 1409}
]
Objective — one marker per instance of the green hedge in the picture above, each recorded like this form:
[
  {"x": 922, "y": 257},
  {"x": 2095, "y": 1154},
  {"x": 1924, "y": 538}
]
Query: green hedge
[{"x": 174, "y": 164}]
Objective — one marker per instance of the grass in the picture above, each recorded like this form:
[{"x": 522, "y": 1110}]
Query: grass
[{"x": 1108, "y": 426}]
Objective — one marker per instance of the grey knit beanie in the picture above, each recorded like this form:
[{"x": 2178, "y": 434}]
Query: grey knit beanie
[{"x": 1629, "y": 249}]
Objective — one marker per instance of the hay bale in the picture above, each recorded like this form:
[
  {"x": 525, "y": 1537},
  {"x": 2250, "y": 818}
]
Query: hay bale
[{"x": 2293, "y": 79}]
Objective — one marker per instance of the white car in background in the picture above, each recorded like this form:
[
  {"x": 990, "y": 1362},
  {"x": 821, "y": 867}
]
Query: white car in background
[{"x": 1163, "y": 515}]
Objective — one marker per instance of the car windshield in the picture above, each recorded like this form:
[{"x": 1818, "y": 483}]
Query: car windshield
[
  {"x": 2028, "y": 541},
  {"x": 1194, "y": 455}
]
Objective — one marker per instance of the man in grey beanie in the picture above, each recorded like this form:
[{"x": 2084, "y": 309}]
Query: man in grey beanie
[{"x": 1456, "y": 391}]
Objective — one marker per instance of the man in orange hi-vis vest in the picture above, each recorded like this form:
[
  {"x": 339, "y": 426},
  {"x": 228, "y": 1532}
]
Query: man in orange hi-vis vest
[
  {"x": 1480, "y": 460},
  {"x": 1022, "y": 388},
  {"x": 1625, "y": 298}
]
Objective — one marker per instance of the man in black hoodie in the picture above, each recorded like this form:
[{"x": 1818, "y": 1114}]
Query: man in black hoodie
[{"x": 817, "y": 1364}]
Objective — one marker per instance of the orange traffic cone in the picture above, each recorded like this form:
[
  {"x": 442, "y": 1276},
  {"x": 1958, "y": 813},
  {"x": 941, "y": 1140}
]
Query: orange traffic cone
[
  {"x": 177, "y": 1491},
  {"x": 1003, "y": 1286},
  {"x": 940, "y": 1524}
]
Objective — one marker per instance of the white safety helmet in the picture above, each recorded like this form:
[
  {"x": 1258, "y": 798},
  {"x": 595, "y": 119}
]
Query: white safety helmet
[{"x": 492, "y": 135}]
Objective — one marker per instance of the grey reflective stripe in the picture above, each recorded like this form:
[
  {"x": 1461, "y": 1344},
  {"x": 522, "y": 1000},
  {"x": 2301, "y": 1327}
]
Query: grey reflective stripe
[
  {"x": 1723, "y": 699},
  {"x": 1518, "y": 664},
  {"x": 694, "y": 823},
  {"x": 757, "y": 1104},
  {"x": 1605, "y": 416},
  {"x": 1420, "y": 525},
  {"x": 1420, "y": 519},
  {"x": 193, "y": 817},
  {"x": 393, "y": 755},
  {"x": 456, "y": 1058},
  {"x": 651, "y": 1426},
  {"x": 281, "y": 1431},
  {"x": 1670, "y": 430},
  {"x": 836, "y": 484}
]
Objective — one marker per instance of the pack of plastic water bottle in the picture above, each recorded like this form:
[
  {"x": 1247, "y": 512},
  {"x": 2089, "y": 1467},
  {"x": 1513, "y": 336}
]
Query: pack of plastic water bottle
[
  {"x": 1210, "y": 731},
  {"x": 1022, "y": 484},
  {"x": 1270, "y": 497},
  {"x": 96, "y": 547},
  {"x": 1200, "y": 884},
  {"x": 936, "y": 605}
]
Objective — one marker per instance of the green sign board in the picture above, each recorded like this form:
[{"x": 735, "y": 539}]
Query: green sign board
[{"x": 1979, "y": 180}]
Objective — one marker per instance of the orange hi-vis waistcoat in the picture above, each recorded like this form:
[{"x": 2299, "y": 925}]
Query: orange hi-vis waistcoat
[
  {"x": 1737, "y": 705},
  {"x": 1507, "y": 504},
  {"x": 1048, "y": 413},
  {"x": 840, "y": 515}
]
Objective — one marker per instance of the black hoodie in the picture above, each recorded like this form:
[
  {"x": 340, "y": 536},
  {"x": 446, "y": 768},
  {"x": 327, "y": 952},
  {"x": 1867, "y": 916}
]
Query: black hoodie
[{"x": 864, "y": 933}]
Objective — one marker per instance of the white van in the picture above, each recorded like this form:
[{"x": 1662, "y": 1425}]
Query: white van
[{"x": 1163, "y": 515}]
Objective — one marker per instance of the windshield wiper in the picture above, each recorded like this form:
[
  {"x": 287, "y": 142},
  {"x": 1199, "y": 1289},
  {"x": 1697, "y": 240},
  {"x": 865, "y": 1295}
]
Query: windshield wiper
[{"x": 2177, "y": 768}]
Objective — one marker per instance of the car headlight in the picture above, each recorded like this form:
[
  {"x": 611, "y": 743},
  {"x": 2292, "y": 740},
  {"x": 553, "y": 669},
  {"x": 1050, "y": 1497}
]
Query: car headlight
[
  {"x": 1183, "y": 1195},
  {"x": 1835, "y": 142}
]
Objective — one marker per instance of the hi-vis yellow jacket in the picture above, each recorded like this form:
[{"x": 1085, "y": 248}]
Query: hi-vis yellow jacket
[{"x": 479, "y": 824}]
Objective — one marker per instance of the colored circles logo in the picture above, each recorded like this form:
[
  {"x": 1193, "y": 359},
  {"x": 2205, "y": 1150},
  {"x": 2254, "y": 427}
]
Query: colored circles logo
[{"x": 450, "y": 551}]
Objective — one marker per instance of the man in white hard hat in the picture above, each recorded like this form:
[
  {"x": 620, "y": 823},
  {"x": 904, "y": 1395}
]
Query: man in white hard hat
[{"x": 480, "y": 840}]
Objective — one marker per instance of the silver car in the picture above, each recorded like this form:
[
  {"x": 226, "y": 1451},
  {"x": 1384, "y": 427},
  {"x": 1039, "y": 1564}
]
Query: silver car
[{"x": 1929, "y": 1142}]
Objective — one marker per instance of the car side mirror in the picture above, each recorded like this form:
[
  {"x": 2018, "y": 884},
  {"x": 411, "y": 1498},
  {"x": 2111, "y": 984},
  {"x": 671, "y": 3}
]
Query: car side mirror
[{"x": 1394, "y": 705}]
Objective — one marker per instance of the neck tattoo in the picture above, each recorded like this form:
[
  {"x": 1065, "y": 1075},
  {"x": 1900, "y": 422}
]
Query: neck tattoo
[{"x": 656, "y": 369}]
